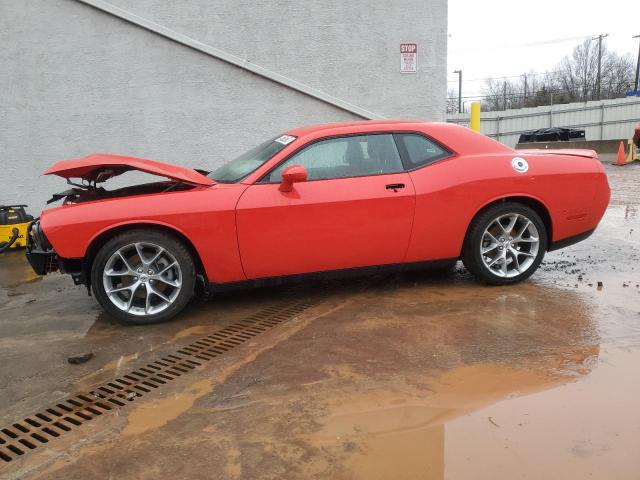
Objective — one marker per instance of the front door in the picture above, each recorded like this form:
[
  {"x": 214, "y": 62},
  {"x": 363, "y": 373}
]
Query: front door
[{"x": 355, "y": 210}]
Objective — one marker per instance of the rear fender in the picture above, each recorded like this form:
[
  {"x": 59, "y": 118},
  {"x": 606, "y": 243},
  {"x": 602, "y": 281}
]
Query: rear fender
[{"x": 532, "y": 201}]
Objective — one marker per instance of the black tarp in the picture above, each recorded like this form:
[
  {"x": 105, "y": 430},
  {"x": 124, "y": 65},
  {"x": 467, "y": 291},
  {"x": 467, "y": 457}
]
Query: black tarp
[{"x": 554, "y": 134}]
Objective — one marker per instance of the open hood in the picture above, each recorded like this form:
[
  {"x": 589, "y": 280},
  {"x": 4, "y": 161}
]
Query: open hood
[{"x": 99, "y": 167}]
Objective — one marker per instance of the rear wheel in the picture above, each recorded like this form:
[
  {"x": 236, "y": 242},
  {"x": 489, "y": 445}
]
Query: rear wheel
[
  {"x": 505, "y": 244},
  {"x": 143, "y": 277}
]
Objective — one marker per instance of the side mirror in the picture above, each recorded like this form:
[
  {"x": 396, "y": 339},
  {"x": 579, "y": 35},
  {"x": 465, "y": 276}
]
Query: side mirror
[{"x": 291, "y": 175}]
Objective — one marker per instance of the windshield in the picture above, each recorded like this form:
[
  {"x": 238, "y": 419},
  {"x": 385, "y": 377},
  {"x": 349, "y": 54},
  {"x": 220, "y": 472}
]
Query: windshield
[{"x": 237, "y": 169}]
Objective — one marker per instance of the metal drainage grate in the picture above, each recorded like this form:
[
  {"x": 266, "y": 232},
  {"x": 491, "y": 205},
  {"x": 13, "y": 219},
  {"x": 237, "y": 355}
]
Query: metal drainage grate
[{"x": 40, "y": 428}]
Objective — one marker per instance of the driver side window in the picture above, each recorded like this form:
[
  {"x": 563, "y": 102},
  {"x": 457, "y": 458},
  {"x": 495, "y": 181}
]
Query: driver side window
[{"x": 342, "y": 157}]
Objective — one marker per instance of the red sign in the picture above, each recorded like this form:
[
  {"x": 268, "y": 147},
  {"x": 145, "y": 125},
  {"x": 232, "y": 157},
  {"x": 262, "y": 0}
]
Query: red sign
[
  {"x": 408, "y": 48},
  {"x": 408, "y": 58}
]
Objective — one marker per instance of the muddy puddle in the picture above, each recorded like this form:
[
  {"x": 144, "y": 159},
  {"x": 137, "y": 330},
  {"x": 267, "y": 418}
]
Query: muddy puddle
[{"x": 489, "y": 421}]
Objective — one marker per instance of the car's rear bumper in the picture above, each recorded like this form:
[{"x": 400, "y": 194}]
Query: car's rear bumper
[{"x": 565, "y": 242}]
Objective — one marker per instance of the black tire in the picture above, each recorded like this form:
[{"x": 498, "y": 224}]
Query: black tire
[
  {"x": 173, "y": 247},
  {"x": 471, "y": 251}
]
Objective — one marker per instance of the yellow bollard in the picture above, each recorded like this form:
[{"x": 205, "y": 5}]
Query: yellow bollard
[
  {"x": 474, "y": 122},
  {"x": 634, "y": 152}
]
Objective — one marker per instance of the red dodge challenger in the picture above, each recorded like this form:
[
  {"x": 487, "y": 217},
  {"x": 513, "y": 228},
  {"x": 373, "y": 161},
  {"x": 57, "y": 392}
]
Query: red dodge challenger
[{"x": 322, "y": 199}]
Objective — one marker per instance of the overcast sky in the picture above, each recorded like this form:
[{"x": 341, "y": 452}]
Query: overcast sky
[{"x": 510, "y": 37}]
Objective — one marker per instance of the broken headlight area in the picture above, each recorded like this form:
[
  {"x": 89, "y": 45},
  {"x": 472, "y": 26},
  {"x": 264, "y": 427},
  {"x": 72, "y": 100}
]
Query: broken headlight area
[{"x": 39, "y": 252}]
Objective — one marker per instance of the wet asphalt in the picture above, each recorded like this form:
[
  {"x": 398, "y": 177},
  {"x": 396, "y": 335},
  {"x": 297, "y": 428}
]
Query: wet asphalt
[{"x": 425, "y": 375}]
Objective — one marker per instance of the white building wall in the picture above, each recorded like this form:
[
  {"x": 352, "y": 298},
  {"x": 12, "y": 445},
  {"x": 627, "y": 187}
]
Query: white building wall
[{"x": 75, "y": 80}]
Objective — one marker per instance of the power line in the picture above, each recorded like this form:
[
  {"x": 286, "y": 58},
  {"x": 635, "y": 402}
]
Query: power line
[
  {"x": 537, "y": 43},
  {"x": 573, "y": 90},
  {"x": 538, "y": 74},
  {"x": 506, "y": 77}
]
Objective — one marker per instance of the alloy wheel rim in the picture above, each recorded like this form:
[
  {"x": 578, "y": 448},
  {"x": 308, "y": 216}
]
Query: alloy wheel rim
[
  {"x": 509, "y": 245},
  {"x": 142, "y": 278}
]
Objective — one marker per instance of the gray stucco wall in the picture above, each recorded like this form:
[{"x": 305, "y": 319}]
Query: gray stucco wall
[{"x": 75, "y": 80}]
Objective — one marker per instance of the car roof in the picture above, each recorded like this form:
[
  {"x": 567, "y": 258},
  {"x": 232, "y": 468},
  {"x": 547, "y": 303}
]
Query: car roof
[
  {"x": 456, "y": 137},
  {"x": 349, "y": 127}
]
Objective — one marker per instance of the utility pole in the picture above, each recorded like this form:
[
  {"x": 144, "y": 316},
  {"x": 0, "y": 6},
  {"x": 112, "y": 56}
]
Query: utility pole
[
  {"x": 504, "y": 94},
  {"x": 599, "y": 79},
  {"x": 525, "y": 90},
  {"x": 459, "y": 72},
  {"x": 637, "y": 85}
]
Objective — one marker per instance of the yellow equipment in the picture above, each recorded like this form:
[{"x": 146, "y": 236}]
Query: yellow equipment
[{"x": 13, "y": 226}]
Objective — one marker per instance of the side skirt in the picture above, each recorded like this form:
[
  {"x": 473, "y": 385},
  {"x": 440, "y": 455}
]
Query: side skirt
[{"x": 331, "y": 275}]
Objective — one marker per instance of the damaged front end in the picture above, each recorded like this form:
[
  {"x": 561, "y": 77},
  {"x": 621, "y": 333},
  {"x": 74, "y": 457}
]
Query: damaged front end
[
  {"x": 95, "y": 169},
  {"x": 40, "y": 253},
  {"x": 44, "y": 259},
  {"x": 90, "y": 172},
  {"x": 90, "y": 191}
]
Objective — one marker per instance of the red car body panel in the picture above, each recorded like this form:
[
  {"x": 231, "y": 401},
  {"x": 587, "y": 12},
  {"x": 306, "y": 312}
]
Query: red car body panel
[
  {"x": 481, "y": 180},
  {"x": 211, "y": 231},
  {"x": 572, "y": 152},
  {"x": 89, "y": 165},
  {"x": 324, "y": 225},
  {"x": 251, "y": 230}
]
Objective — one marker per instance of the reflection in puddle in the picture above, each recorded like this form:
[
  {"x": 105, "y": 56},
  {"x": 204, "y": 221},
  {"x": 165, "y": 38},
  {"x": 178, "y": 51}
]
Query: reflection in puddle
[
  {"x": 403, "y": 436},
  {"x": 469, "y": 351},
  {"x": 587, "y": 429}
]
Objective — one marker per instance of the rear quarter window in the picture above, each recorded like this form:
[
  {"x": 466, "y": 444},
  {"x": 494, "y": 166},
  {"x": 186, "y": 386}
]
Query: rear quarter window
[{"x": 420, "y": 151}]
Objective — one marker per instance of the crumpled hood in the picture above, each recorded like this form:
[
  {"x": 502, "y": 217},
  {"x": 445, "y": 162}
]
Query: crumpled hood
[{"x": 99, "y": 167}]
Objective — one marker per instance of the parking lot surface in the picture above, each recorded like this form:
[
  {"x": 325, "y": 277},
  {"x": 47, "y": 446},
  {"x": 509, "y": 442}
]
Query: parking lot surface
[{"x": 424, "y": 375}]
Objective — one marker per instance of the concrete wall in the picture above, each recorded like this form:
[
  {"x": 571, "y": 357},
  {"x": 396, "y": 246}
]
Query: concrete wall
[
  {"x": 76, "y": 80},
  {"x": 602, "y": 120}
]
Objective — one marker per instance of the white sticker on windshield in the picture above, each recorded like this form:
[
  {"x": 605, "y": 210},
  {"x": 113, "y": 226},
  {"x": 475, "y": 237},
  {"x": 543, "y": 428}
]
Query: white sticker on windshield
[{"x": 285, "y": 139}]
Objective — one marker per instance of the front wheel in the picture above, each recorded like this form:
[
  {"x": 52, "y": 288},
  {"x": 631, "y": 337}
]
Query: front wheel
[
  {"x": 143, "y": 277},
  {"x": 505, "y": 244}
]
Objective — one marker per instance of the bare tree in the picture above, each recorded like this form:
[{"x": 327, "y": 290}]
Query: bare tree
[
  {"x": 452, "y": 100},
  {"x": 577, "y": 75},
  {"x": 574, "y": 79},
  {"x": 618, "y": 75},
  {"x": 500, "y": 94}
]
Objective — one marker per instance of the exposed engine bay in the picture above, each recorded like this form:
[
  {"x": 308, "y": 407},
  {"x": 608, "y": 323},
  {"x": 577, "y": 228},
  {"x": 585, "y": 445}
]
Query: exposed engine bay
[
  {"x": 89, "y": 190},
  {"x": 84, "y": 192}
]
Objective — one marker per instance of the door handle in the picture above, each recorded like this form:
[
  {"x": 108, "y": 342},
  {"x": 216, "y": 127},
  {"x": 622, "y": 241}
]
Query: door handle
[{"x": 394, "y": 186}]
